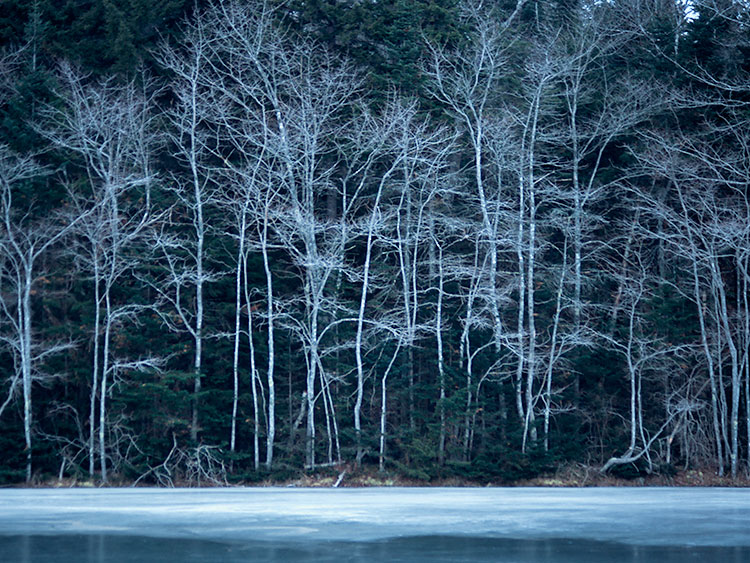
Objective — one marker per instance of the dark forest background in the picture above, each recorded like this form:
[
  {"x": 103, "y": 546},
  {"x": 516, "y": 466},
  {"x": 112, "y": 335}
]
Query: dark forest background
[{"x": 242, "y": 240}]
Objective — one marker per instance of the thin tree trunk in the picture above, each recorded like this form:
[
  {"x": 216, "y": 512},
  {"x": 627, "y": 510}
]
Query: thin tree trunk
[
  {"x": 744, "y": 310},
  {"x": 361, "y": 318},
  {"x": 440, "y": 358},
  {"x": 95, "y": 369},
  {"x": 699, "y": 303},
  {"x": 529, "y": 424},
  {"x": 384, "y": 409},
  {"x": 465, "y": 352},
  {"x": 237, "y": 314},
  {"x": 335, "y": 423},
  {"x": 358, "y": 338},
  {"x": 253, "y": 368},
  {"x": 105, "y": 374},
  {"x": 520, "y": 325},
  {"x": 24, "y": 307},
  {"x": 200, "y": 236},
  {"x": 577, "y": 238},
  {"x": 114, "y": 228},
  {"x": 553, "y": 346},
  {"x": 490, "y": 234},
  {"x": 724, "y": 315},
  {"x": 311, "y": 376},
  {"x": 271, "y": 431},
  {"x": 327, "y": 412}
]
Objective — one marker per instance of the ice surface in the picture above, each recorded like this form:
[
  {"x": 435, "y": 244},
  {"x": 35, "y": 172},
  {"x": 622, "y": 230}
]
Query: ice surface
[{"x": 632, "y": 516}]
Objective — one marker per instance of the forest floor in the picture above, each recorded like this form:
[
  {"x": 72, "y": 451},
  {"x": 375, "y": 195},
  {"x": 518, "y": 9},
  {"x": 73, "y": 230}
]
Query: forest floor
[
  {"x": 577, "y": 475},
  {"x": 569, "y": 476},
  {"x": 581, "y": 476}
]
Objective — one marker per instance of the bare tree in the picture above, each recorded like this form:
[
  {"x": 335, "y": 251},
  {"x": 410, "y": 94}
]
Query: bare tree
[
  {"x": 24, "y": 240},
  {"x": 191, "y": 118},
  {"x": 467, "y": 82},
  {"x": 705, "y": 218},
  {"x": 249, "y": 111},
  {"x": 641, "y": 351},
  {"x": 109, "y": 126},
  {"x": 379, "y": 134},
  {"x": 296, "y": 97},
  {"x": 401, "y": 150}
]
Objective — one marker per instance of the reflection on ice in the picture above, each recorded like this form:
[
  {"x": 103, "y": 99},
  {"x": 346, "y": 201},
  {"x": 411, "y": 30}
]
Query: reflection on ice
[{"x": 126, "y": 549}]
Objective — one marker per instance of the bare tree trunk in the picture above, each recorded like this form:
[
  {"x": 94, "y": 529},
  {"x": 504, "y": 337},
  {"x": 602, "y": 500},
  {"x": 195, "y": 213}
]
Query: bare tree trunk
[
  {"x": 633, "y": 379},
  {"x": 113, "y": 224},
  {"x": 577, "y": 243},
  {"x": 372, "y": 223},
  {"x": 529, "y": 425},
  {"x": 743, "y": 309},
  {"x": 699, "y": 303},
  {"x": 384, "y": 409},
  {"x": 440, "y": 358},
  {"x": 253, "y": 368},
  {"x": 553, "y": 346},
  {"x": 521, "y": 323},
  {"x": 406, "y": 292},
  {"x": 198, "y": 358},
  {"x": 335, "y": 424},
  {"x": 624, "y": 265},
  {"x": 25, "y": 317},
  {"x": 724, "y": 316},
  {"x": 490, "y": 231},
  {"x": 327, "y": 410},
  {"x": 95, "y": 368},
  {"x": 465, "y": 351},
  {"x": 271, "y": 431},
  {"x": 311, "y": 376},
  {"x": 241, "y": 262},
  {"x": 360, "y": 326},
  {"x": 105, "y": 373}
]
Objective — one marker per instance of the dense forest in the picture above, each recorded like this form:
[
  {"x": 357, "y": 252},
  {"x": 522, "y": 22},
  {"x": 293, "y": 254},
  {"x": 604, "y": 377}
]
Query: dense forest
[{"x": 245, "y": 239}]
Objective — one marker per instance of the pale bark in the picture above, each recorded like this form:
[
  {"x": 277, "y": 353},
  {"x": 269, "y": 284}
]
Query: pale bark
[{"x": 22, "y": 245}]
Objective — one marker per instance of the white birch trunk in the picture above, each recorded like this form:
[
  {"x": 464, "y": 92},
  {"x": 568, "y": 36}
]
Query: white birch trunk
[
  {"x": 271, "y": 430},
  {"x": 95, "y": 367}
]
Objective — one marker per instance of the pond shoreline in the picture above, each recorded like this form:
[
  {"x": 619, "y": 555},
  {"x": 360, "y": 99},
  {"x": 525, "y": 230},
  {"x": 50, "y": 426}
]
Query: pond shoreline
[{"x": 577, "y": 476}]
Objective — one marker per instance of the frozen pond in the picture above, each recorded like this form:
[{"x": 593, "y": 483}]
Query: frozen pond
[{"x": 389, "y": 524}]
